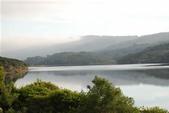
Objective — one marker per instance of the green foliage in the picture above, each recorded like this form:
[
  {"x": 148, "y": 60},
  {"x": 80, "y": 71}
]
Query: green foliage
[
  {"x": 153, "y": 110},
  {"x": 43, "y": 97},
  {"x": 13, "y": 68},
  {"x": 1, "y": 79},
  {"x": 65, "y": 101},
  {"x": 39, "y": 88},
  {"x": 7, "y": 97},
  {"x": 105, "y": 98},
  {"x": 7, "y": 62},
  {"x": 1, "y": 85},
  {"x": 156, "y": 54},
  {"x": 70, "y": 58},
  {"x": 152, "y": 54},
  {"x": 10, "y": 110}
]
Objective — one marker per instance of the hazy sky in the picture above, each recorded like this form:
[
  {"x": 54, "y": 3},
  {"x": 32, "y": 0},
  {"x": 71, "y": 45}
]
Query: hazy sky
[{"x": 26, "y": 23}]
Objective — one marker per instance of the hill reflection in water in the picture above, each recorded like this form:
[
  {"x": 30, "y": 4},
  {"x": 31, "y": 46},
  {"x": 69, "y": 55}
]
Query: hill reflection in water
[{"x": 147, "y": 84}]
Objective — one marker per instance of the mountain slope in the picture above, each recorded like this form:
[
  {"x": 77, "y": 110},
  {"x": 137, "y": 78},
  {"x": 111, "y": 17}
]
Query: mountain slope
[
  {"x": 156, "y": 54},
  {"x": 137, "y": 45},
  {"x": 118, "y": 46},
  {"x": 119, "y": 49},
  {"x": 70, "y": 58},
  {"x": 13, "y": 67},
  {"x": 88, "y": 43}
]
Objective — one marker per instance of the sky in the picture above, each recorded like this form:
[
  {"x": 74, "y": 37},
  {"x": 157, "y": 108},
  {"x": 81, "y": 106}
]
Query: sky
[{"x": 26, "y": 23}]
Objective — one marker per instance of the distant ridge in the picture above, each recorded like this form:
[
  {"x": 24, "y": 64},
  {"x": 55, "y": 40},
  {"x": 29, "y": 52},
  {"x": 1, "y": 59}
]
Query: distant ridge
[
  {"x": 156, "y": 54},
  {"x": 116, "y": 45}
]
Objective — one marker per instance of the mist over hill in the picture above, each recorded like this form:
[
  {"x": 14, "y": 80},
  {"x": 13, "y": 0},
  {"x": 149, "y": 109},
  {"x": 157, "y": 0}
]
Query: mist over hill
[
  {"x": 155, "y": 54},
  {"x": 137, "y": 45},
  {"x": 109, "y": 50},
  {"x": 115, "y": 46},
  {"x": 88, "y": 43}
]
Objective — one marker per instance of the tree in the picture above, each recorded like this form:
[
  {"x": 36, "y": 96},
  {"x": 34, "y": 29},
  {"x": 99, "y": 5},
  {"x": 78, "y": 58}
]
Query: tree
[
  {"x": 153, "y": 110},
  {"x": 1, "y": 79},
  {"x": 105, "y": 98},
  {"x": 1, "y": 84},
  {"x": 6, "y": 96}
]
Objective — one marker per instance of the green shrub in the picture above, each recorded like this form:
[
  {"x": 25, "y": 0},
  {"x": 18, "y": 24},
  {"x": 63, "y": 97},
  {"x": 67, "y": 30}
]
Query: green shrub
[
  {"x": 38, "y": 88},
  {"x": 153, "y": 110},
  {"x": 7, "y": 97},
  {"x": 1, "y": 78},
  {"x": 105, "y": 98},
  {"x": 44, "y": 97}
]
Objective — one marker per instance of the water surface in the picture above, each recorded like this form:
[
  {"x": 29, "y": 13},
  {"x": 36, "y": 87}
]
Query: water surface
[{"x": 148, "y": 84}]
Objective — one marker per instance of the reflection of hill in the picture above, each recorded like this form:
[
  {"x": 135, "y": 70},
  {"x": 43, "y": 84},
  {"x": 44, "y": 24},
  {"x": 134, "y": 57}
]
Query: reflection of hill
[
  {"x": 117, "y": 77},
  {"x": 160, "y": 73}
]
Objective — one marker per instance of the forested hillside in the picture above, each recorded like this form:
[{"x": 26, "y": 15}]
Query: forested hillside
[
  {"x": 108, "y": 50},
  {"x": 70, "y": 58},
  {"x": 13, "y": 67},
  {"x": 117, "y": 45},
  {"x": 137, "y": 45},
  {"x": 156, "y": 54}
]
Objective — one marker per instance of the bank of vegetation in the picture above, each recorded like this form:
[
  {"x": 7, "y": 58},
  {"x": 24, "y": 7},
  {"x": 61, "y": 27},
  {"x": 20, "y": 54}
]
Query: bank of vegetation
[{"x": 13, "y": 68}]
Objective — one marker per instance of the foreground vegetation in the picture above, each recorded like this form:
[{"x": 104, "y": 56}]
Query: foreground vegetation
[{"x": 44, "y": 97}]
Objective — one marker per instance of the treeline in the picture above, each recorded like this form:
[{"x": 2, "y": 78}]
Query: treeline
[
  {"x": 13, "y": 67},
  {"x": 44, "y": 97},
  {"x": 70, "y": 58},
  {"x": 7, "y": 62},
  {"x": 156, "y": 54}
]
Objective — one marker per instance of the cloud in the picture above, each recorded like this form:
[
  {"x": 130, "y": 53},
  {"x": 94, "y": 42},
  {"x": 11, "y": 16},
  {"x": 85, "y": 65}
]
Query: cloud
[
  {"x": 55, "y": 19},
  {"x": 10, "y": 44}
]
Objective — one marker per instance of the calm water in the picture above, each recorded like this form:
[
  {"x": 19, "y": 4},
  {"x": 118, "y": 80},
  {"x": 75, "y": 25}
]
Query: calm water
[{"x": 148, "y": 84}]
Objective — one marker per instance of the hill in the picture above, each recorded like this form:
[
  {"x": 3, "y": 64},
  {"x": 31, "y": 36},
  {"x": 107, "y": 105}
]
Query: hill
[
  {"x": 100, "y": 50},
  {"x": 13, "y": 67},
  {"x": 137, "y": 45},
  {"x": 117, "y": 46},
  {"x": 155, "y": 54},
  {"x": 70, "y": 58},
  {"x": 90, "y": 43}
]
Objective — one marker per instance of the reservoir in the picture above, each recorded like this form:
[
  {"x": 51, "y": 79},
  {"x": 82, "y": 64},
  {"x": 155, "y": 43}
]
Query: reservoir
[{"x": 148, "y": 84}]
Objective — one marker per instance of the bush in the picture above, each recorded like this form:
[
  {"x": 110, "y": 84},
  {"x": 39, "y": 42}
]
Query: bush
[
  {"x": 1, "y": 79},
  {"x": 105, "y": 98},
  {"x": 7, "y": 97},
  {"x": 38, "y": 88},
  {"x": 44, "y": 97},
  {"x": 153, "y": 110}
]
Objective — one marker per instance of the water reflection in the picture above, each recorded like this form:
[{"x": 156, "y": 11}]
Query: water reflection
[
  {"x": 158, "y": 73},
  {"x": 153, "y": 77},
  {"x": 147, "y": 85}
]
